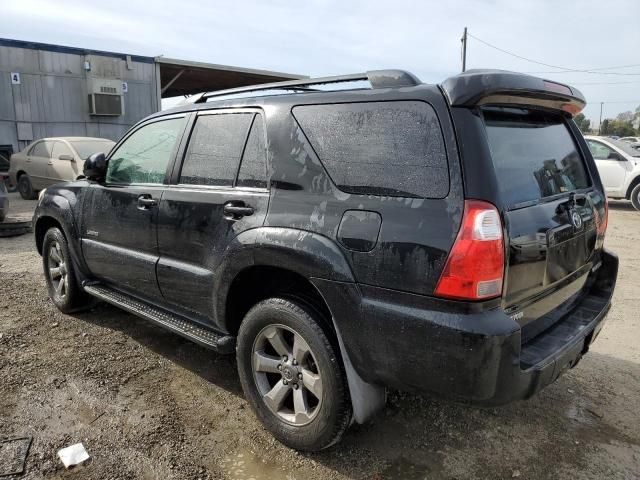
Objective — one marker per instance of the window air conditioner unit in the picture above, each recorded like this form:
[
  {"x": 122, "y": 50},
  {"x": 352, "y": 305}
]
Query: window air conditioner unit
[{"x": 105, "y": 97}]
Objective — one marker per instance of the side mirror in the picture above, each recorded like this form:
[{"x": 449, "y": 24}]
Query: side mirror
[
  {"x": 616, "y": 156},
  {"x": 65, "y": 156},
  {"x": 95, "y": 167}
]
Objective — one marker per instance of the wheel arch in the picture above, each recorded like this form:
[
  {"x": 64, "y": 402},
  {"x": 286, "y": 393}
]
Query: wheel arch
[
  {"x": 286, "y": 262},
  {"x": 43, "y": 224},
  {"x": 56, "y": 210},
  {"x": 635, "y": 182}
]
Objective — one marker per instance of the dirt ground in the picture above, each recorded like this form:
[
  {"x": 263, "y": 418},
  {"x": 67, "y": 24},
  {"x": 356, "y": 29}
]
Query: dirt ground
[{"x": 148, "y": 404}]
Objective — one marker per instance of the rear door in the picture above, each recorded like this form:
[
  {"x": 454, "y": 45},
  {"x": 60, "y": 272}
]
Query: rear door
[
  {"x": 552, "y": 209},
  {"x": 37, "y": 162},
  {"x": 220, "y": 191}
]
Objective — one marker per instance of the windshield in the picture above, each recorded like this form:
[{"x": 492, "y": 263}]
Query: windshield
[
  {"x": 625, "y": 147},
  {"x": 86, "y": 148},
  {"x": 533, "y": 154}
]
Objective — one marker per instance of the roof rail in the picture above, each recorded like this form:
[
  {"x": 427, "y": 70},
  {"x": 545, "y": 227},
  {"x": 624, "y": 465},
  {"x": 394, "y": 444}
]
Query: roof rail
[{"x": 377, "y": 79}]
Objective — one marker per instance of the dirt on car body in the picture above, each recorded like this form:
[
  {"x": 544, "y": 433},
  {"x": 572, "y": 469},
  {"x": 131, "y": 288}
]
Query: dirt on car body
[{"x": 148, "y": 404}]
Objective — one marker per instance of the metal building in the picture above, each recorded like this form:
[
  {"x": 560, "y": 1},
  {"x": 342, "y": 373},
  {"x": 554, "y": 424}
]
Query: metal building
[{"x": 52, "y": 90}]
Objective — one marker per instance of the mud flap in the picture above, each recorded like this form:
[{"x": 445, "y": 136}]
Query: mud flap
[{"x": 366, "y": 399}]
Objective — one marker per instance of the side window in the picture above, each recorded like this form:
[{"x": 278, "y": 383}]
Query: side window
[
  {"x": 379, "y": 148},
  {"x": 215, "y": 148},
  {"x": 599, "y": 150},
  {"x": 40, "y": 150},
  {"x": 145, "y": 155},
  {"x": 253, "y": 169},
  {"x": 60, "y": 148}
]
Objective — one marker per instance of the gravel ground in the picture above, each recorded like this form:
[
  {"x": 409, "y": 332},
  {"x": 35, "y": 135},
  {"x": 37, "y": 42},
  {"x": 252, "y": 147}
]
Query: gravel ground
[{"x": 148, "y": 404}]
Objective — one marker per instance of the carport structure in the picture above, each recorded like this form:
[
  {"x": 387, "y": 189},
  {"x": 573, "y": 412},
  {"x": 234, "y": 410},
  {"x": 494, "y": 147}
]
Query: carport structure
[{"x": 184, "y": 78}]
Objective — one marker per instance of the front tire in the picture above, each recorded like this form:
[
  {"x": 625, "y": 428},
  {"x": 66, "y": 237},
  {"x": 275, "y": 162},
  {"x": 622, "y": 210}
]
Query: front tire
[
  {"x": 635, "y": 197},
  {"x": 292, "y": 376},
  {"x": 59, "y": 273},
  {"x": 26, "y": 188}
]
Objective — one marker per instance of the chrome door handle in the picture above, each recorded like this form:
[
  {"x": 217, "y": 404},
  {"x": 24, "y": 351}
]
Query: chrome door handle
[
  {"x": 145, "y": 202},
  {"x": 237, "y": 210}
]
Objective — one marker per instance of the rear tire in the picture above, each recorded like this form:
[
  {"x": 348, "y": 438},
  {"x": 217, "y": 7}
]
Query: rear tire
[
  {"x": 26, "y": 188},
  {"x": 635, "y": 197},
  {"x": 59, "y": 272},
  {"x": 292, "y": 376}
]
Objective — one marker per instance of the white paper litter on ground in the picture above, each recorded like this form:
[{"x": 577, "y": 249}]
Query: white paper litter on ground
[{"x": 73, "y": 455}]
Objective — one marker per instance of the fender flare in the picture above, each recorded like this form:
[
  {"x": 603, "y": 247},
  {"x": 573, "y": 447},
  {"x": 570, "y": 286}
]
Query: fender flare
[
  {"x": 309, "y": 254},
  {"x": 313, "y": 256},
  {"x": 57, "y": 207}
]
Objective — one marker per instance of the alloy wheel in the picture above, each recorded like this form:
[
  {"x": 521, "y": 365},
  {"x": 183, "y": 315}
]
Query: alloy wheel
[
  {"x": 58, "y": 271},
  {"x": 287, "y": 375}
]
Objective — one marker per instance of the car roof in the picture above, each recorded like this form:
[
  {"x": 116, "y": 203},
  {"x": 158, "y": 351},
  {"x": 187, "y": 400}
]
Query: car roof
[{"x": 78, "y": 139}]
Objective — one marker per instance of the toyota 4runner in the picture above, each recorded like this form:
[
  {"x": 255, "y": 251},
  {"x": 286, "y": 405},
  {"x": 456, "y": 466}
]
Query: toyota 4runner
[{"x": 443, "y": 239}]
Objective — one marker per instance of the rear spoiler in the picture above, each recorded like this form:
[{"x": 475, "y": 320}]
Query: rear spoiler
[{"x": 500, "y": 87}]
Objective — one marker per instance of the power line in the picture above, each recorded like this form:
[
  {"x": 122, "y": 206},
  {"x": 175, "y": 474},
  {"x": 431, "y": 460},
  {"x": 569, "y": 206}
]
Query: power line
[
  {"x": 563, "y": 69},
  {"x": 593, "y": 69},
  {"x": 619, "y": 101},
  {"x": 604, "y": 83}
]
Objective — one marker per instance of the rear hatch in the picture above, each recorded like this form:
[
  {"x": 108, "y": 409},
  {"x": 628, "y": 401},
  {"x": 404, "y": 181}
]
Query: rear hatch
[{"x": 553, "y": 211}]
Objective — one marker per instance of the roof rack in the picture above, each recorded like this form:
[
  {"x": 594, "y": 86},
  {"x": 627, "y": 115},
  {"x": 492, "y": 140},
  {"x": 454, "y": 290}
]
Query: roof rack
[{"x": 377, "y": 79}]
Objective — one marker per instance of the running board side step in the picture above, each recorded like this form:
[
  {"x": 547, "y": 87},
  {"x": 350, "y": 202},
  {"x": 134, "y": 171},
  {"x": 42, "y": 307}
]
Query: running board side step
[{"x": 175, "y": 323}]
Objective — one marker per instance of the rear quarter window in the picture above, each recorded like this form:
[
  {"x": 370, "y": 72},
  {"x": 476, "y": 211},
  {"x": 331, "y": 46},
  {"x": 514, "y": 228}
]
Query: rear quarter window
[
  {"x": 379, "y": 148},
  {"x": 533, "y": 153}
]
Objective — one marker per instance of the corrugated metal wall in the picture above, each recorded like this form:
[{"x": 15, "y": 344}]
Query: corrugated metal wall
[{"x": 52, "y": 97}]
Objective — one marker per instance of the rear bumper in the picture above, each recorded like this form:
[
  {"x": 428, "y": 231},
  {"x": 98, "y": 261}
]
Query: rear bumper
[{"x": 421, "y": 344}]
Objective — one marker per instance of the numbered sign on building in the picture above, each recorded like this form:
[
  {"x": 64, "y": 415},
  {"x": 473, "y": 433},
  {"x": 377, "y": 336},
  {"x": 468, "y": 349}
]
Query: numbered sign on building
[{"x": 15, "y": 78}]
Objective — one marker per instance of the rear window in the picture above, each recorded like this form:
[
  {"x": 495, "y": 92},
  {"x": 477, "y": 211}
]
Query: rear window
[
  {"x": 379, "y": 148},
  {"x": 533, "y": 154}
]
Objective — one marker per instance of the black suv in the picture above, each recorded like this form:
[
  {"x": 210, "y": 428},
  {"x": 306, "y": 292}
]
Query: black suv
[{"x": 443, "y": 239}]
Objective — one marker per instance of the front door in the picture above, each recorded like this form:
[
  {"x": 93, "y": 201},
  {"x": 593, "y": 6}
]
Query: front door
[
  {"x": 119, "y": 241},
  {"x": 612, "y": 167},
  {"x": 62, "y": 166},
  {"x": 221, "y": 191}
]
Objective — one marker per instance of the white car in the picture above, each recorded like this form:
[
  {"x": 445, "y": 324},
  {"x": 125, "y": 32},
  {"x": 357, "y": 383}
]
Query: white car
[
  {"x": 633, "y": 141},
  {"x": 619, "y": 167}
]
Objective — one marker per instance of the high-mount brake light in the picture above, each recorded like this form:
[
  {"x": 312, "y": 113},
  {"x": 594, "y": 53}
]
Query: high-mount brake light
[
  {"x": 557, "y": 87},
  {"x": 475, "y": 267}
]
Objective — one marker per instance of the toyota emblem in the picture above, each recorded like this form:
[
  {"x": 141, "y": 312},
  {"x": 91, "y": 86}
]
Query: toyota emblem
[{"x": 576, "y": 219}]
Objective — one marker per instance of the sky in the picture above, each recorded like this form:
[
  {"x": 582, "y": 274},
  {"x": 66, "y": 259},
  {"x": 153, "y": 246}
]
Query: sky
[{"x": 326, "y": 37}]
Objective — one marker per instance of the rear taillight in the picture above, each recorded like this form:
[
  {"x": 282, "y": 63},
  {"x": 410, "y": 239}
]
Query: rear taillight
[
  {"x": 475, "y": 267},
  {"x": 601, "y": 222}
]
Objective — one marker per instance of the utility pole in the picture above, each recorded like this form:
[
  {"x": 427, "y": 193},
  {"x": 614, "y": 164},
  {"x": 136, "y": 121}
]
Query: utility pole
[
  {"x": 600, "y": 124},
  {"x": 464, "y": 49}
]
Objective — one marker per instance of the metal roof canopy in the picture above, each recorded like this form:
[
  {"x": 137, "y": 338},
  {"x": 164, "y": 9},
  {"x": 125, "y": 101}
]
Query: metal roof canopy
[{"x": 182, "y": 77}]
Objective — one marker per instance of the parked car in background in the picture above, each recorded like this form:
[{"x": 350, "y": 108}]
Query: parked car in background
[
  {"x": 445, "y": 239},
  {"x": 633, "y": 141},
  {"x": 52, "y": 160},
  {"x": 4, "y": 170},
  {"x": 4, "y": 201},
  {"x": 619, "y": 167}
]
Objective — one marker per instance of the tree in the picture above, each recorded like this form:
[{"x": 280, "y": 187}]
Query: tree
[
  {"x": 625, "y": 116},
  {"x": 617, "y": 127},
  {"x": 582, "y": 122}
]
